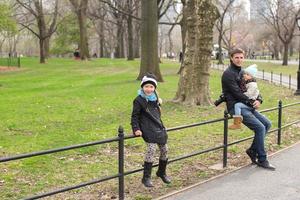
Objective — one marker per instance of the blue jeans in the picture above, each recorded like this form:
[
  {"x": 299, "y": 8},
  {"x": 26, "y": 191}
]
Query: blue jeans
[
  {"x": 238, "y": 108},
  {"x": 260, "y": 125}
]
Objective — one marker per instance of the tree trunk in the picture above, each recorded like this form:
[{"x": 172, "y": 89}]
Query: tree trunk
[
  {"x": 193, "y": 85},
  {"x": 130, "y": 55},
  {"x": 16, "y": 40},
  {"x": 42, "y": 30},
  {"x": 291, "y": 50},
  {"x": 42, "y": 51},
  {"x": 171, "y": 46},
  {"x": 1, "y": 44},
  {"x": 285, "y": 54},
  {"x": 220, "y": 53},
  {"x": 47, "y": 47},
  {"x": 137, "y": 35},
  {"x": 119, "y": 51},
  {"x": 137, "y": 42},
  {"x": 130, "y": 39},
  {"x": 149, "y": 40},
  {"x": 101, "y": 48},
  {"x": 80, "y": 10},
  {"x": 276, "y": 50},
  {"x": 101, "y": 38},
  {"x": 84, "y": 47},
  {"x": 183, "y": 33}
]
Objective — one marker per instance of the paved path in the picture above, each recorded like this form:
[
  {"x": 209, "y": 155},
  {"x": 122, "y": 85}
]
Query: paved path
[
  {"x": 253, "y": 183},
  {"x": 290, "y": 62},
  {"x": 274, "y": 78}
]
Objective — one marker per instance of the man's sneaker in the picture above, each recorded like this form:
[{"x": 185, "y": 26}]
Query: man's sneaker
[
  {"x": 252, "y": 155},
  {"x": 265, "y": 164}
]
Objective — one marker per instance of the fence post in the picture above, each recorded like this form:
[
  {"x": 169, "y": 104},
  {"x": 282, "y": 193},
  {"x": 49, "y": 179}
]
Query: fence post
[
  {"x": 271, "y": 76},
  {"x": 280, "y": 78},
  {"x": 19, "y": 62},
  {"x": 225, "y": 142},
  {"x": 121, "y": 163},
  {"x": 290, "y": 78},
  {"x": 279, "y": 122}
]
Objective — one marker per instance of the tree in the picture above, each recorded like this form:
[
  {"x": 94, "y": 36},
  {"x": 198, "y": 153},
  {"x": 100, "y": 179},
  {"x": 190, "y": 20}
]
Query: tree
[
  {"x": 122, "y": 10},
  {"x": 37, "y": 13},
  {"x": 80, "y": 9},
  {"x": 183, "y": 27},
  {"x": 193, "y": 85},
  {"x": 66, "y": 37},
  {"x": 97, "y": 14},
  {"x": 149, "y": 40},
  {"x": 234, "y": 32},
  {"x": 281, "y": 16},
  {"x": 223, "y": 7},
  {"x": 137, "y": 30},
  {"x": 7, "y": 24},
  {"x": 130, "y": 30}
]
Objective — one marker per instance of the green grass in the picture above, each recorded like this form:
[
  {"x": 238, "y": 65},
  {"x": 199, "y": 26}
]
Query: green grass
[
  {"x": 291, "y": 69},
  {"x": 67, "y": 102},
  {"x": 8, "y": 62}
]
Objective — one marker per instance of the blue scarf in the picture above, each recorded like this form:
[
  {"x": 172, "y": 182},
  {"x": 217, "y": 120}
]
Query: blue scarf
[{"x": 151, "y": 97}]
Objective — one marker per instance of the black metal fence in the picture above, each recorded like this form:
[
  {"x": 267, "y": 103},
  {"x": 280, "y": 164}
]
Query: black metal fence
[
  {"x": 121, "y": 138},
  {"x": 10, "y": 62}
]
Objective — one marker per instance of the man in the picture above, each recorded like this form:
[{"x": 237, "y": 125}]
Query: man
[{"x": 231, "y": 80}]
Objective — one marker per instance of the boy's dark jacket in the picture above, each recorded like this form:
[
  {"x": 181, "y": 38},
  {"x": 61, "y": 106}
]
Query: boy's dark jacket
[{"x": 146, "y": 118}]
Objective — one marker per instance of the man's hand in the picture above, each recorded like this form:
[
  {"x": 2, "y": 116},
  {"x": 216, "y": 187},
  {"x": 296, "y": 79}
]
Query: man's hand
[
  {"x": 138, "y": 133},
  {"x": 256, "y": 104}
]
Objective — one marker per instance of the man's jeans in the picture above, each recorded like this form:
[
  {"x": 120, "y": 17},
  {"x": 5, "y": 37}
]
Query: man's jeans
[{"x": 260, "y": 125}]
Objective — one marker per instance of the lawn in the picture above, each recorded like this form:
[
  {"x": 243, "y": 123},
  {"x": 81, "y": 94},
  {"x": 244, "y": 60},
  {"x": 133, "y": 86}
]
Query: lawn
[{"x": 67, "y": 102}]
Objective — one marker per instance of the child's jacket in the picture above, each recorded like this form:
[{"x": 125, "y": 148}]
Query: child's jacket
[{"x": 146, "y": 117}]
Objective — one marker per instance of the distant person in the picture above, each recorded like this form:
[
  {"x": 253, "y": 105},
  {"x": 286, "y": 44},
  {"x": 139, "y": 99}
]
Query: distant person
[
  {"x": 217, "y": 56},
  {"x": 77, "y": 54},
  {"x": 253, "y": 55},
  {"x": 180, "y": 57},
  {"x": 146, "y": 122}
]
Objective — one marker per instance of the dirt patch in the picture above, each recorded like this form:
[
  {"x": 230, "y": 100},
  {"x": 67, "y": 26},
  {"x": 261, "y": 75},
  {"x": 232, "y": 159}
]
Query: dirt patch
[{"x": 5, "y": 69}]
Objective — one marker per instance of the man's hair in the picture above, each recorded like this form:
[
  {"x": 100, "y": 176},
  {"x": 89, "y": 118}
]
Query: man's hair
[{"x": 235, "y": 51}]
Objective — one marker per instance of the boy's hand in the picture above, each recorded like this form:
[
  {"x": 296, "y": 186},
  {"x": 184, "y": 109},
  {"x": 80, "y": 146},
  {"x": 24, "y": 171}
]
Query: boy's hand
[
  {"x": 256, "y": 104},
  {"x": 138, "y": 133}
]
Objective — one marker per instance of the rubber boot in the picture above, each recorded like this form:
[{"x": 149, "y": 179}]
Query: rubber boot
[
  {"x": 161, "y": 172},
  {"x": 147, "y": 174}
]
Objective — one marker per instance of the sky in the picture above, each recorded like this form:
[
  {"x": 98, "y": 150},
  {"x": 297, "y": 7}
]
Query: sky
[{"x": 247, "y": 5}]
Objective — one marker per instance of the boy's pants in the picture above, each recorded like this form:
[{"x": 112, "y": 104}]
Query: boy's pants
[{"x": 238, "y": 108}]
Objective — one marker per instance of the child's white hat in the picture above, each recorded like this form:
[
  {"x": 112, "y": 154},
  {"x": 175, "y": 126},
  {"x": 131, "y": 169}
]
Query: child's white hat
[
  {"x": 149, "y": 79},
  {"x": 252, "y": 70}
]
